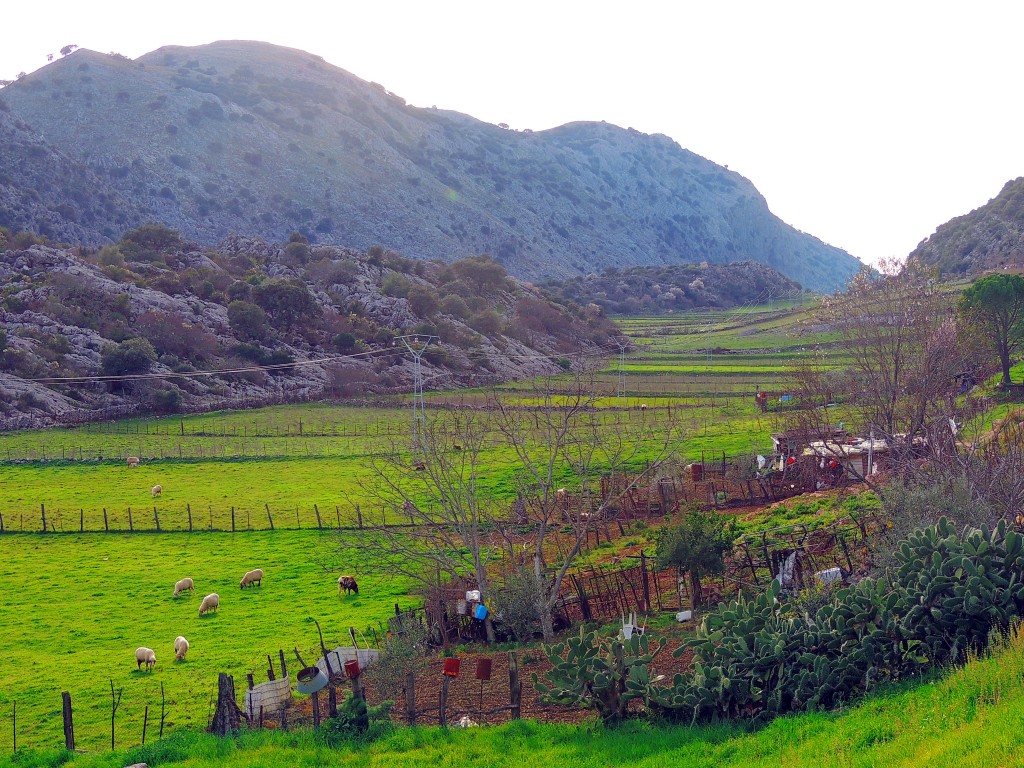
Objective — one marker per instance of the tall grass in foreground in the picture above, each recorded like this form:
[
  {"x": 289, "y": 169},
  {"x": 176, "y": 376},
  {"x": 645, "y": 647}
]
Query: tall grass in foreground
[{"x": 971, "y": 716}]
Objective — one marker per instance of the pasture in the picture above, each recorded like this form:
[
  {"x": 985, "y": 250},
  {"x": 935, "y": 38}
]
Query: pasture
[{"x": 76, "y": 607}]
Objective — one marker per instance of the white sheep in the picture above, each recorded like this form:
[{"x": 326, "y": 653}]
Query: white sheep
[
  {"x": 252, "y": 577},
  {"x": 180, "y": 647},
  {"x": 210, "y": 603},
  {"x": 182, "y": 585},
  {"x": 145, "y": 656},
  {"x": 157, "y": 490},
  {"x": 133, "y": 461}
]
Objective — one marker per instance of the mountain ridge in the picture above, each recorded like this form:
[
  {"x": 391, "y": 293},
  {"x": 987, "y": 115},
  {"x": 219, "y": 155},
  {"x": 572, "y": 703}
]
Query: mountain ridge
[{"x": 246, "y": 137}]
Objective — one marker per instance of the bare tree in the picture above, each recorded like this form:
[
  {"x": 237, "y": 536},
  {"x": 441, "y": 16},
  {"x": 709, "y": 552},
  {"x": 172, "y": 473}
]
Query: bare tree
[
  {"x": 564, "y": 445},
  {"x": 454, "y": 528},
  {"x": 485, "y": 486},
  {"x": 908, "y": 356}
]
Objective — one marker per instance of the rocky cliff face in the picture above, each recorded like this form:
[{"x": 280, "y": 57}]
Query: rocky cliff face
[
  {"x": 990, "y": 237},
  {"x": 252, "y": 138},
  {"x": 157, "y": 324}
]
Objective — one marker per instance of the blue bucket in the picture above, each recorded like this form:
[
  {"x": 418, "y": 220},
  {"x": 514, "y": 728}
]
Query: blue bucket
[{"x": 480, "y": 612}]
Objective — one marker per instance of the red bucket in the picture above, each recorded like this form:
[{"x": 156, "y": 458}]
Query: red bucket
[
  {"x": 451, "y": 667},
  {"x": 483, "y": 669},
  {"x": 352, "y": 669}
]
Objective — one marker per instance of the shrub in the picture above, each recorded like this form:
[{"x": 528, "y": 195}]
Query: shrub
[
  {"x": 287, "y": 301},
  {"x": 166, "y": 400},
  {"x": 395, "y": 285},
  {"x": 247, "y": 320},
  {"x": 3, "y": 340},
  {"x": 516, "y": 603},
  {"x": 344, "y": 342},
  {"x": 487, "y": 323},
  {"x": 422, "y": 301},
  {"x": 455, "y": 306},
  {"x": 129, "y": 357}
]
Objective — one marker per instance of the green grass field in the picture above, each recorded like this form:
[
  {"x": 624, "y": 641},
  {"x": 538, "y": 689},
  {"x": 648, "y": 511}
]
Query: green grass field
[{"x": 75, "y": 608}]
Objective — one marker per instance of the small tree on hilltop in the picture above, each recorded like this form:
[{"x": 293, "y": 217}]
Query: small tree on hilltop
[
  {"x": 132, "y": 356},
  {"x": 995, "y": 306},
  {"x": 698, "y": 546}
]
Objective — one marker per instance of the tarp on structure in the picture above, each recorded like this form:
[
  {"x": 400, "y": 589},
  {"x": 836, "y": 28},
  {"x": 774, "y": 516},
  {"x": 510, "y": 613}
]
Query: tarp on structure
[
  {"x": 340, "y": 655},
  {"x": 272, "y": 696}
]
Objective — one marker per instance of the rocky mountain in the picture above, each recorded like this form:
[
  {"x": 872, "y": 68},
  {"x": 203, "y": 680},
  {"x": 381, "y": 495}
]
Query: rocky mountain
[
  {"x": 245, "y": 137},
  {"x": 158, "y": 324},
  {"x": 989, "y": 237},
  {"x": 653, "y": 290}
]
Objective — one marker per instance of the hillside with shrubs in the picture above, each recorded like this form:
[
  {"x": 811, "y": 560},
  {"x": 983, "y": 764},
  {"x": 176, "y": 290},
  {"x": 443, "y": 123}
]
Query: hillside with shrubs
[
  {"x": 655, "y": 290},
  {"x": 163, "y": 325}
]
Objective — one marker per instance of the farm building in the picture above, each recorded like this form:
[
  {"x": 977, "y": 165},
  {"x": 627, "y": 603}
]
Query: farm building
[
  {"x": 859, "y": 456},
  {"x": 792, "y": 442}
]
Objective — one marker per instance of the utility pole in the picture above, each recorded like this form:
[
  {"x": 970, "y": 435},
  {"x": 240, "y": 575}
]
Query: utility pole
[
  {"x": 417, "y": 345},
  {"x": 621, "y": 388}
]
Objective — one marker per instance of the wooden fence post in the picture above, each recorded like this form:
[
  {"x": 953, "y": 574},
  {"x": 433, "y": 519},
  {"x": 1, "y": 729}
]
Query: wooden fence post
[
  {"x": 162, "y": 709},
  {"x": 227, "y": 716},
  {"x": 156, "y": 519},
  {"x": 515, "y": 687},
  {"x": 316, "y": 709},
  {"x": 271, "y": 519},
  {"x": 188, "y": 507},
  {"x": 69, "y": 725},
  {"x": 647, "y": 587},
  {"x": 131, "y": 525},
  {"x": 42, "y": 508},
  {"x": 232, "y": 519},
  {"x": 284, "y": 668},
  {"x": 319, "y": 522},
  {"x": 106, "y": 525},
  {"x": 81, "y": 521},
  {"x": 410, "y": 697},
  {"x": 442, "y": 704},
  {"x": 14, "y": 728},
  {"x": 114, "y": 704},
  {"x": 145, "y": 722}
]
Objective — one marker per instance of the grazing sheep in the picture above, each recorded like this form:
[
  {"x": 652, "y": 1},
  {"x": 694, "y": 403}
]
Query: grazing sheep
[
  {"x": 421, "y": 467},
  {"x": 145, "y": 656},
  {"x": 157, "y": 490},
  {"x": 180, "y": 647},
  {"x": 348, "y": 584},
  {"x": 252, "y": 577},
  {"x": 182, "y": 585},
  {"x": 133, "y": 461},
  {"x": 457, "y": 447},
  {"x": 643, "y": 406},
  {"x": 210, "y": 603}
]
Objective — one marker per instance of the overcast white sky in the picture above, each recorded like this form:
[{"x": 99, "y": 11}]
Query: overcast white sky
[{"x": 867, "y": 124}]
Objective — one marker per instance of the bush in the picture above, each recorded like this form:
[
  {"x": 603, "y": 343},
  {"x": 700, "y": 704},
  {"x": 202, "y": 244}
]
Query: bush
[
  {"x": 756, "y": 658},
  {"x": 247, "y": 320},
  {"x": 344, "y": 342},
  {"x": 166, "y": 400},
  {"x": 422, "y": 301},
  {"x": 3, "y": 340},
  {"x": 455, "y": 306},
  {"x": 286, "y": 301},
  {"x": 129, "y": 357},
  {"x": 516, "y": 604}
]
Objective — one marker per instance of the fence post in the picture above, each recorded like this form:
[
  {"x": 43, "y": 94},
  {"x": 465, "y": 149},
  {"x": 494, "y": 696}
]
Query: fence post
[
  {"x": 189, "y": 508},
  {"x": 162, "y": 709},
  {"x": 69, "y": 725},
  {"x": 156, "y": 518},
  {"x": 106, "y": 525},
  {"x": 131, "y": 525},
  {"x": 42, "y": 508},
  {"x": 647, "y": 588},
  {"x": 319, "y": 523},
  {"x": 14, "y": 728},
  {"x": 1, "y": 522},
  {"x": 515, "y": 687},
  {"x": 271, "y": 519},
  {"x": 81, "y": 521},
  {"x": 145, "y": 722},
  {"x": 442, "y": 704},
  {"x": 410, "y": 697},
  {"x": 232, "y": 519}
]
